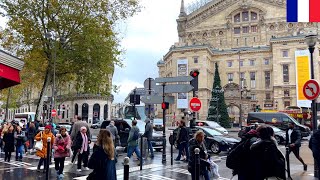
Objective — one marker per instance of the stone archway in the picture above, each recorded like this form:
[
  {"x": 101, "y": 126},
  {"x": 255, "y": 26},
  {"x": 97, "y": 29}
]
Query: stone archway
[{"x": 234, "y": 113}]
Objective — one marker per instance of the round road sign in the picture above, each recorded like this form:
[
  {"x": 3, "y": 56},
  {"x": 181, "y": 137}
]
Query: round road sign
[
  {"x": 195, "y": 104},
  {"x": 53, "y": 113},
  {"x": 311, "y": 89}
]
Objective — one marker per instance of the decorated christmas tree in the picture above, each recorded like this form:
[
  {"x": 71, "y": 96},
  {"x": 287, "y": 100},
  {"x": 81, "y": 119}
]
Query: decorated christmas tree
[{"x": 218, "y": 109}]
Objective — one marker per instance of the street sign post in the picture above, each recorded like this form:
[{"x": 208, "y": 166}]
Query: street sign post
[
  {"x": 53, "y": 113},
  {"x": 311, "y": 89},
  {"x": 157, "y": 99},
  {"x": 174, "y": 88},
  {"x": 195, "y": 104},
  {"x": 174, "y": 79}
]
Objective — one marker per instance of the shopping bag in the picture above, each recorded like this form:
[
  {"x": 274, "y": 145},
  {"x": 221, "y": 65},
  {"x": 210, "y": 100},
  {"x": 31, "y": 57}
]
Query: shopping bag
[
  {"x": 214, "y": 169},
  {"x": 39, "y": 144}
]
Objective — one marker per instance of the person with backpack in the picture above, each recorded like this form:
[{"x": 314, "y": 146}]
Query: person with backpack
[
  {"x": 268, "y": 161},
  {"x": 239, "y": 158},
  {"x": 293, "y": 141},
  {"x": 182, "y": 141},
  {"x": 133, "y": 141}
]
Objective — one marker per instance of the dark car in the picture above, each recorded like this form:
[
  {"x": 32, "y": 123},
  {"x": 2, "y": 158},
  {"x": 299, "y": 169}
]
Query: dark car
[
  {"x": 124, "y": 127},
  {"x": 214, "y": 140},
  {"x": 158, "y": 124}
]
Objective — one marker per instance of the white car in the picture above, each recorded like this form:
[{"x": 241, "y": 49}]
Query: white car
[{"x": 212, "y": 124}]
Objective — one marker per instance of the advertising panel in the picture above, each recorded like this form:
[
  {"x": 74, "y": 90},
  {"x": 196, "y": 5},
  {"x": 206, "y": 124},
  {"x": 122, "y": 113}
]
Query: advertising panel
[
  {"x": 302, "y": 62},
  {"x": 182, "y": 70}
]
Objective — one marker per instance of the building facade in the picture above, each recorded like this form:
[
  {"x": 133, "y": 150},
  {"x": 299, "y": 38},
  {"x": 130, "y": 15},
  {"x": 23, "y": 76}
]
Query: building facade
[{"x": 254, "y": 47}]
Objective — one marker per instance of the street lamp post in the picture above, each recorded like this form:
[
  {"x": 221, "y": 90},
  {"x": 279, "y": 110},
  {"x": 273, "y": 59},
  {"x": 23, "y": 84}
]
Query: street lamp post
[
  {"x": 311, "y": 40},
  {"x": 240, "y": 89}
]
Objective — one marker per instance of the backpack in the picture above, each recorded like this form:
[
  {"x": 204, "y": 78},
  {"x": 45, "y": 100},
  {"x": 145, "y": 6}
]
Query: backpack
[
  {"x": 237, "y": 154},
  {"x": 135, "y": 135},
  {"x": 274, "y": 162}
]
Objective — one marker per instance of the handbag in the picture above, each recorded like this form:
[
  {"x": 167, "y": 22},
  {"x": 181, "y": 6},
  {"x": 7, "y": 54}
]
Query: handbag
[{"x": 39, "y": 144}]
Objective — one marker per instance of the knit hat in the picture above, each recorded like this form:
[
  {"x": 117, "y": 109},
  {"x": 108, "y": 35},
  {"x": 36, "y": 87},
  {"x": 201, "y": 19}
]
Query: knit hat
[{"x": 48, "y": 127}]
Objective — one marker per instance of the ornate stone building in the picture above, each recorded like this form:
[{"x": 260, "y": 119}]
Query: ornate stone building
[{"x": 253, "y": 45}]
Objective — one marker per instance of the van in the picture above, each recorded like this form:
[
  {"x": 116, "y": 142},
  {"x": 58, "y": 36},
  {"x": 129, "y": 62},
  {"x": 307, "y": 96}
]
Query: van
[{"x": 280, "y": 120}]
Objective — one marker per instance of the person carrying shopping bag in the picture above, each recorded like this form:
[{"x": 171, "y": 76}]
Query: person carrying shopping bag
[
  {"x": 42, "y": 153},
  {"x": 62, "y": 147}
]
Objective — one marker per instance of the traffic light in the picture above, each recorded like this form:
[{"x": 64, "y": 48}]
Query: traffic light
[
  {"x": 258, "y": 109},
  {"x": 194, "y": 81},
  {"x": 165, "y": 105}
]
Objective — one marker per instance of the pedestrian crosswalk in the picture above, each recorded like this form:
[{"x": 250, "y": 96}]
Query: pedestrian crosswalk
[{"x": 15, "y": 163}]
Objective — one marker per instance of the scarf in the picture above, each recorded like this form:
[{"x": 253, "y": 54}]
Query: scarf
[{"x": 84, "y": 146}]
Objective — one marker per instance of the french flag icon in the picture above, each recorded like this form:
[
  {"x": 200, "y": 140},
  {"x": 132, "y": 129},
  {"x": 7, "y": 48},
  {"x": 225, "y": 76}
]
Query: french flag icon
[{"x": 303, "y": 10}]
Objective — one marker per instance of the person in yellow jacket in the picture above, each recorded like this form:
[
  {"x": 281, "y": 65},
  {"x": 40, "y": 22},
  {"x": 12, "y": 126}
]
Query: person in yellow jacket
[{"x": 43, "y": 153}]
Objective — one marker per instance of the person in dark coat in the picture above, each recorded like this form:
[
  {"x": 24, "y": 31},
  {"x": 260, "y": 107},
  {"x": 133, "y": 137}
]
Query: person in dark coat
[
  {"x": 20, "y": 138},
  {"x": 102, "y": 161},
  {"x": 32, "y": 132},
  {"x": 314, "y": 145},
  {"x": 198, "y": 142},
  {"x": 182, "y": 141},
  {"x": 82, "y": 147},
  {"x": 293, "y": 141},
  {"x": 148, "y": 134},
  {"x": 8, "y": 139}
]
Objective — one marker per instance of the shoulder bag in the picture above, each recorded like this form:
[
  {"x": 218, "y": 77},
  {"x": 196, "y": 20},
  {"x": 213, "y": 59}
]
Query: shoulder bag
[{"x": 39, "y": 144}]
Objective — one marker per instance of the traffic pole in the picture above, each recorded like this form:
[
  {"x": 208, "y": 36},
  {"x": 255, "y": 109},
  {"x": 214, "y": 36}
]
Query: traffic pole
[
  {"x": 288, "y": 162},
  {"x": 141, "y": 150},
  {"x": 126, "y": 168},
  {"x": 164, "y": 145},
  {"x": 171, "y": 148},
  {"x": 48, "y": 157},
  {"x": 197, "y": 164}
]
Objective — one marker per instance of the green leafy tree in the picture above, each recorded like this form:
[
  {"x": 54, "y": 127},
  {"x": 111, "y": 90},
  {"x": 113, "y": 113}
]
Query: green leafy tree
[
  {"x": 218, "y": 109},
  {"x": 90, "y": 47}
]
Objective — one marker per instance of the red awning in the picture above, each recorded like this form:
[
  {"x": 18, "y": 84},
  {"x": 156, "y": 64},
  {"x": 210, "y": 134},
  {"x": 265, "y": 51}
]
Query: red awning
[{"x": 8, "y": 76}]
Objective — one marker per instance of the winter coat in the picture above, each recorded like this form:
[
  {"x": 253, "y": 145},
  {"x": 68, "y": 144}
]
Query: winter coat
[
  {"x": 43, "y": 153},
  {"x": 103, "y": 167},
  {"x": 31, "y": 132},
  {"x": 183, "y": 135},
  {"x": 76, "y": 128},
  {"x": 148, "y": 130},
  {"x": 8, "y": 139},
  {"x": 130, "y": 141},
  {"x": 113, "y": 130},
  {"x": 314, "y": 144},
  {"x": 78, "y": 142},
  {"x": 20, "y": 138},
  {"x": 295, "y": 137},
  {"x": 62, "y": 146},
  {"x": 204, "y": 165}
]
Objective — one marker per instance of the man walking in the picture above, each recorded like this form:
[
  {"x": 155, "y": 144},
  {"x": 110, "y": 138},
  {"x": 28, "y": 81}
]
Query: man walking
[
  {"x": 115, "y": 136},
  {"x": 293, "y": 141},
  {"x": 148, "y": 134},
  {"x": 133, "y": 141},
  {"x": 182, "y": 141}
]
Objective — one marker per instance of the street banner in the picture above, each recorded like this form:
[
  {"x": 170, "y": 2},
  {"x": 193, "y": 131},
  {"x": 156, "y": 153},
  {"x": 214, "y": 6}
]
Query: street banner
[
  {"x": 302, "y": 62},
  {"x": 182, "y": 70}
]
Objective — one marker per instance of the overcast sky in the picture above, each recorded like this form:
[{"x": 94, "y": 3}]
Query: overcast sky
[{"x": 146, "y": 38}]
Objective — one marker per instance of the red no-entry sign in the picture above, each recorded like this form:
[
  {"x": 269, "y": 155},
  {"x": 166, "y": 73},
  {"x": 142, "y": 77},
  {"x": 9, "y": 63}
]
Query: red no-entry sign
[
  {"x": 311, "y": 89},
  {"x": 195, "y": 104},
  {"x": 53, "y": 113}
]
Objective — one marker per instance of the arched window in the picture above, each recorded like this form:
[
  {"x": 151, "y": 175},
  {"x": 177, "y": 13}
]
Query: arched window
[
  {"x": 245, "y": 16},
  {"x": 237, "y": 18},
  {"x": 76, "y": 109},
  {"x": 254, "y": 16},
  {"x": 85, "y": 111},
  {"x": 96, "y": 112},
  {"x": 105, "y": 112}
]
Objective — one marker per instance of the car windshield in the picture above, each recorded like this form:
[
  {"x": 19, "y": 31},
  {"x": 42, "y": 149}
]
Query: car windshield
[
  {"x": 157, "y": 121},
  {"x": 214, "y": 125},
  {"x": 140, "y": 124},
  {"x": 212, "y": 132}
]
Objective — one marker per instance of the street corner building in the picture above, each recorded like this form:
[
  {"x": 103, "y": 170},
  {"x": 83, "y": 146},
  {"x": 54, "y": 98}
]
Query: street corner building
[
  {"x": 10, "y": 67},
  {"x": 262, "y": 58}
]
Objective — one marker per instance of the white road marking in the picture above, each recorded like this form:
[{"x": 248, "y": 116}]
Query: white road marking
[
  {"x": 50, "y": 166},
  {"x": 155, "y": 177}
]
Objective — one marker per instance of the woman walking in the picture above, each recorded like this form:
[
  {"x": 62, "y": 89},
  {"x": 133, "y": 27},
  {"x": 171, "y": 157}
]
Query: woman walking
[
  {"x": 43, "y": 152},
  {"x": 20, "y": 139},
  {"x": 82, "y": 147},
  {"x": 62, "y": 145},
  {"x": 31, "y": 134},
  {"x": 8, "y": 139},
  {"x": 102, "y": 160}
]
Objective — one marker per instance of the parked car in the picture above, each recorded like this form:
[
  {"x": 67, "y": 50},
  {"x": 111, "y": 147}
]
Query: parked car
[
  {"x": 158, "y": 124},
  {"x": 279, "y": 134},
  {"x": 212, "y": 124},
  {"x": 96, "y": 125},
  {"x": 66, "y": 125},
  {"x": 124, "y": 127},
  {"x": 279, "y": 120},
  {"x": 214, "y": 140}
]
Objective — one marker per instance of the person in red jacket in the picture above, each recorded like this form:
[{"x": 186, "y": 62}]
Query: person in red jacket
[{"x": 62, "y": 146}]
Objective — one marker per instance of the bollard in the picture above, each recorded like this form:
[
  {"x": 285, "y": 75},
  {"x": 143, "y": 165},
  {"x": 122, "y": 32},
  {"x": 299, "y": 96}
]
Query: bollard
[
  {"x": 141, "y": 153},
  {"x": 197, "y": 165},
  {"x": 126, "y": 168},
  {"x": 171, "y": 148},
  {"x": 288, "y": 162},
  {"x": 48, "y": 157}
]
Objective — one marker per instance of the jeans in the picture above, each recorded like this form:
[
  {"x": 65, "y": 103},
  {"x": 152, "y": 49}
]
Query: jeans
[
  {"x": 31, "y": 143},
  {"x": 204, "y": 173},
  {"x": 83, "y": 158},
  {"x": 19, "y": 152},
  {"x": 135, "y": 149},
  {"x": 183, "y": 147},
  {"x": 59, "y": 164},
  {"x": 150, "y": 147}
]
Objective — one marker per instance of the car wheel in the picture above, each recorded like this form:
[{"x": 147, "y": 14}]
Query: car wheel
[
  {"x": 214, "y": 147},
  {"x": 158, "y": 150},
  {"x": 278, "y": 139}
]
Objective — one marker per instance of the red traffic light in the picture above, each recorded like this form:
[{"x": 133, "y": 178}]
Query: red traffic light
[
  {"x": 165, "y": 105},
  {"x": 194, "y": 73}
]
